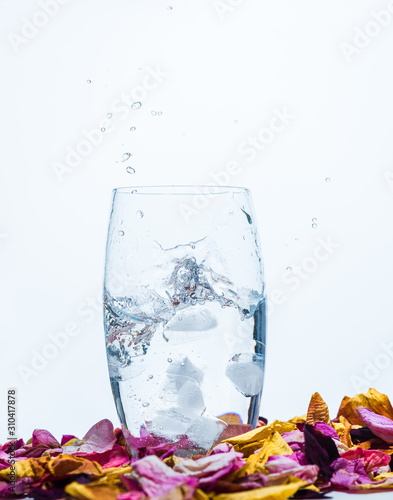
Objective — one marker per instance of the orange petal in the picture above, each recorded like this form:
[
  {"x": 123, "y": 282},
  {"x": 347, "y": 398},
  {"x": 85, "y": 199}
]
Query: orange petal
[
  {"x": 318, "y": 410},
  {"x": 373, "y": 400}
]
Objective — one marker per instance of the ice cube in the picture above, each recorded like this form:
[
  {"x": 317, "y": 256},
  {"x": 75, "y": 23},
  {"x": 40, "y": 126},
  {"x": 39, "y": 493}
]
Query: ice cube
[
  {"x": 192, "y": 321},
  {"x": 182, "y": 366},
  {"x": 205, "y": 430},
  {"x": 246, "y": 371}
]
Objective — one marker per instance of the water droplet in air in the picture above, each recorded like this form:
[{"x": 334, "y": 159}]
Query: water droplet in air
[
  {"x": 109, "y": 115},
  {"x": 126, "y": 156},
  {"x": 103, "y": 129},
  {"x": 132, "y": 129},
  {"x": 328, "y": 179},
  {"x": 88, "y": 81},
  {"x": 169, "y": 360},
  {"x": 145, "y": 405},
  {"x": 136, "y": 105},
  {"x": 121, "y": 233},
  {"x": 139, "y": 214},
  {"x": 130, "y": 170},
  {"x": 154, "y": 113}
]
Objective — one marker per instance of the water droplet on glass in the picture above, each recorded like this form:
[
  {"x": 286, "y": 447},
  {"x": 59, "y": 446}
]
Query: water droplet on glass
[
  {"x": 126, "y": 156},
  {"x": 289, "y": 268},
  {"x": 328, "y": 179},
  {"x": 136, "y": 105},
  {"x": 314, "y": 219},
  {"x": 150, "y": 377},
  {"x": 159, "y": 113},
  {"x": 134, "y": 191},
  {"x": 132, "y": 129},
  {"x": 314, "y": 225},
  {"x": 130, "y": 170},
  {"x": 103, "y": 129},
  {"x": 139, "y": 214},
  {"x": 169, "y": 360},
  {"x": 109, "y": 115},
  {"x": 169, "y": 7},
  {"x": 145, "y": 405},
  {"x": 121, "y": 233},
  {"x": 88, "y": 81},
  {"x": 153, "y": 113}
]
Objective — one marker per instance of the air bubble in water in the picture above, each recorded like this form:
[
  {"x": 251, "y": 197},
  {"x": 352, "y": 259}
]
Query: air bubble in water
[
  {"x": 88, "y": 81},
  {"x": 159, "y": 113},
  {"x": 130, "y": 170},
  {"x": 328, "y": 179},
  {"x": 154, "y": 113},
  {"x": 314, "y": 219},
  {"x": 103, "y": 129},
  {"x": 126, "y": 156},
  {"x": 150, "y": 377},
  {"x": 169, "y": 7},
  {"x": 136, "y": 105},
  {"x": 145, "y": 405},
  {"x": 132, "y": 129},
  {"x": 109, "y": 115},
  {"x": 139, "y": 214},
  {"x": 121, "y": 233},
  {"x": 289, "y": 268},
  {"x": 169, "y": 360},
  {"x": 314, "y": 225}
]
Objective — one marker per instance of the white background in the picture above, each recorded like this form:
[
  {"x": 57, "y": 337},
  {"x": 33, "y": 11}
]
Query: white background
[{"x": 229, "y": 66}]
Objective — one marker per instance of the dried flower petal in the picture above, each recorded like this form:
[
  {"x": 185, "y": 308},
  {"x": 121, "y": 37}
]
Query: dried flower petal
[
  {"x": 379, "y": 425},
  {"x": 373, "y": 400},
  {"x": 317, "y": 410}
]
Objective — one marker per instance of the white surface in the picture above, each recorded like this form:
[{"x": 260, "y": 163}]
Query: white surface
[{"x": 225, "y": 81}]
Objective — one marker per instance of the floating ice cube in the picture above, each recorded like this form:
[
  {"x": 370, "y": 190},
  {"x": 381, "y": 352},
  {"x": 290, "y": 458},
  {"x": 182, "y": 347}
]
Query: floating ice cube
[
  {"x": 246, "y": 371},
  {"x": 205, "y": 430},
  {"x": 192, "y": 320}
]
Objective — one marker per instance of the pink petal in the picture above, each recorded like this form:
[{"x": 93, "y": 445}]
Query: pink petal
[
  {"x": 326, "y": 430},
  {"x": 116, "y": 457},
  {"x": 66, "y": 438},
  {"x": 348, "y": 473},
  {"x": 372, "y": 460},
  {"x": 378, "y": 424},
  {"x": 99, "y": 438},
  {"x": 282, "y": 467},
  {"x": 156, "y": 479},
  {"x": 41, "y": 436},
  {"x": 211, "y": 468}
]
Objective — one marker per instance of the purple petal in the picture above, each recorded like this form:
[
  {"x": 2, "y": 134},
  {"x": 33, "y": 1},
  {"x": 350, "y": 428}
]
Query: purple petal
[
  {"x": 378, "y": 424},
  {"x": 320, "y": 450},
  {"x": 66, "y": 438},
  {"x": 348, "y": 473},
  {"x": 326, "y": 430}
]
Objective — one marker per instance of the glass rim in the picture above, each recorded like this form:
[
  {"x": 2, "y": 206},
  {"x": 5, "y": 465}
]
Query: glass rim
[{"x": 182, "y": 189}]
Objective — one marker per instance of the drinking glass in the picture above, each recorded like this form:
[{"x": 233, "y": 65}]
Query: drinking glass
[{"x": 185, "y": 312}]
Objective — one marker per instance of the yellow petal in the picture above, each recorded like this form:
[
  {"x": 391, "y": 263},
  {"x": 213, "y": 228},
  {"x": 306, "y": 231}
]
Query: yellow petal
[
  {"x": 273, "y": 445},
  {"x": 64, "y": 465},
  {"x": 374, "y": 400},
  {"x": 31, "y": 467},
  {"x": 281, "y": 492},
  {"x": 92, "y": 491},
  {"x": 250, "y": 441},
  {"x": 317, "y": 410}
]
